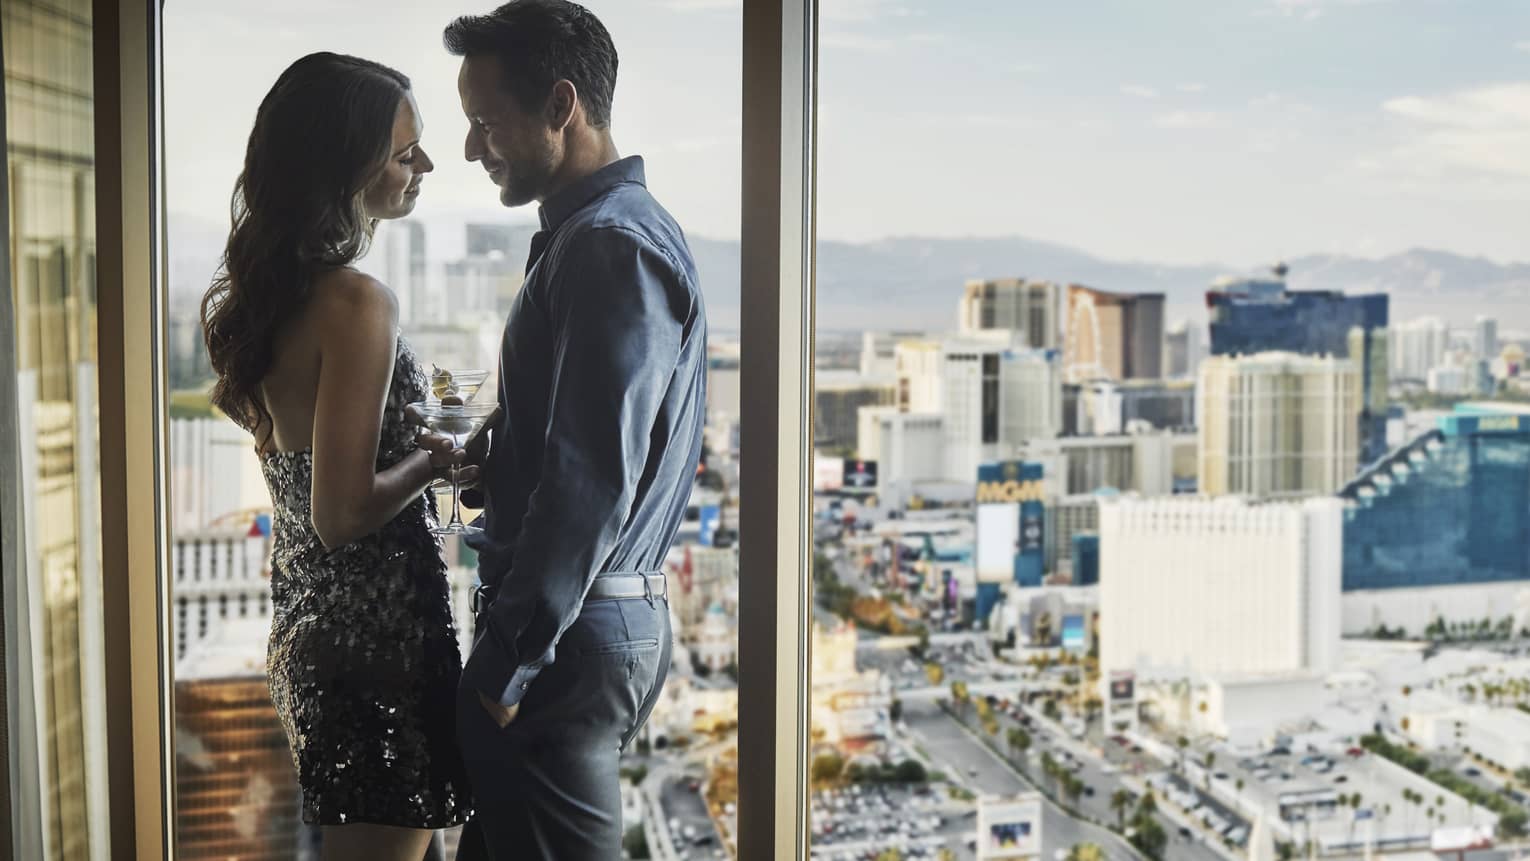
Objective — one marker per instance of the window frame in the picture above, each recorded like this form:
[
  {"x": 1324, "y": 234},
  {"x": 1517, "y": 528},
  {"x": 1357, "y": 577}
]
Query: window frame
[{"x": 777, "y": 280}]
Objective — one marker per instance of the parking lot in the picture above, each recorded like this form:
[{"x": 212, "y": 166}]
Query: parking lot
[
  {"x": 859, "y": 821},
  {"x": 1312, "y": 792}
]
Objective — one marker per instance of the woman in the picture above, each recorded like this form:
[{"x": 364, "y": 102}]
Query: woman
[{"x": 363, "y": 661}]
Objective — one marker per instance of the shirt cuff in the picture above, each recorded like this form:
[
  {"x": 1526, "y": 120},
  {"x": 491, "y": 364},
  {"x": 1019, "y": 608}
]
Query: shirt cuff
[{"x": 520, "y": 682}]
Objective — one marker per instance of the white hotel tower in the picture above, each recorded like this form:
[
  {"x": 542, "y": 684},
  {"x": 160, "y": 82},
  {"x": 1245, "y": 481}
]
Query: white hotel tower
[{"x": 1200, "y": 588}]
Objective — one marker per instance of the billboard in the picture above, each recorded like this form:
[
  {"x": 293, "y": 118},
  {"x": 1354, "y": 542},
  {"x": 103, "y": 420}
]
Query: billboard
[
  {"x": 860, "y": 474},
  {"x": 1012, "y": 521},
  {"x": 711, "y": 518},
  {"x": 998, "y": 540},
  {"x": 1073, "y": 638},
  {"x": 828, "y": 472},
  {"x": 1009, "y": 828},
  {"x": 1123, "y": 688}
]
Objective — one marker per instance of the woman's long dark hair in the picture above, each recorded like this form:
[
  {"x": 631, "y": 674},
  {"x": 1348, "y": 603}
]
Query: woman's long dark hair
[{"x": 321, "y": 135}]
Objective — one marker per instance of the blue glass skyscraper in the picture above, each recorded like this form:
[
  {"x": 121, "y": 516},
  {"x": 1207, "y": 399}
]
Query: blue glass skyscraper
[{"x": 1451, "y": 507}]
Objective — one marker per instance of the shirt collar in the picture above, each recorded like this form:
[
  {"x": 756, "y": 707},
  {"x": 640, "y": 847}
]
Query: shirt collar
[{"x": 556, "y": 209}]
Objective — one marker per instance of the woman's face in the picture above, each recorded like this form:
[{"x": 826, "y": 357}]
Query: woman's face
[{"x": 393, "y": 193}]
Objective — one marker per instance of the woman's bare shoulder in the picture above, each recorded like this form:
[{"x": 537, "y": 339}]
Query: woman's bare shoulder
[{"x": 346, "y": 297}]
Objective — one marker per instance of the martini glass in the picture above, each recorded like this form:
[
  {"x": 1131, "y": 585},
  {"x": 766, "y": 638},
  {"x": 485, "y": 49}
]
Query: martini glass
[
  {"x": 457, "y": 422},
  {"x": 464, "y": 383}
]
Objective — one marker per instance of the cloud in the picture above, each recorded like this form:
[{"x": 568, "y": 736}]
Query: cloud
[
  {"x": 868, "y": 44},
  {"x": 1185, "y": 120},
  {"x": 1484, "y": 130},
  {"x": 1311, "y": 10},
  {"x": 703, "y": 5},
  {"x": 1522, "y": 45},
  {"x": 1138, "y": 91},
  {"x": 1192, "y": 88}
]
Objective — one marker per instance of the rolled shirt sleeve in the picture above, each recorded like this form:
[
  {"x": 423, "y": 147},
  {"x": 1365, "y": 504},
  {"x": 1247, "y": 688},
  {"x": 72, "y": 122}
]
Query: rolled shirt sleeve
[{"x": 617, "y": 312}]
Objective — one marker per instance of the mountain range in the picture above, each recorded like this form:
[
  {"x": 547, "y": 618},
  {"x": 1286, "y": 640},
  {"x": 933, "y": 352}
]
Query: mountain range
[{"x": 914, "y": 282}]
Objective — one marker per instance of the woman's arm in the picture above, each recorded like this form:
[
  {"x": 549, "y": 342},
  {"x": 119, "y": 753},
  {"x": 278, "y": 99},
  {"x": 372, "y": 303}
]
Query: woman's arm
[{"x": 358, "y": 319}]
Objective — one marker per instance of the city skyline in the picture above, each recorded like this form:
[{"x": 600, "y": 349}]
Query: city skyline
[{"x": 1323, "y": 137}]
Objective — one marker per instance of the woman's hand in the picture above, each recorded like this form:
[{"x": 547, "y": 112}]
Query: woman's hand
[{"x": 444, "y": 456}]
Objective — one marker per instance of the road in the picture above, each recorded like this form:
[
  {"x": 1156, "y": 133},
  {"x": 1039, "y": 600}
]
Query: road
[{"x": 949, "y": 745}]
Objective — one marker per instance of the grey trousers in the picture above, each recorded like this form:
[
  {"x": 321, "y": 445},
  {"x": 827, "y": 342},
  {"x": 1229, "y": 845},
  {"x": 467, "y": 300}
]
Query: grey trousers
[{"x": 548, "y": 785}]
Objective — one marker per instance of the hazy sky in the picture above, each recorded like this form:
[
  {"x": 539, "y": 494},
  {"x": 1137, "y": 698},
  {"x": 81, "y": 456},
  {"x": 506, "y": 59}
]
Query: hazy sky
[{"x": 1236, "y": 131}]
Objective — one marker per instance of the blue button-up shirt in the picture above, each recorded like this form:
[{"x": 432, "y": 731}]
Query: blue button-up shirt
[{"x": 602, "y": 377}]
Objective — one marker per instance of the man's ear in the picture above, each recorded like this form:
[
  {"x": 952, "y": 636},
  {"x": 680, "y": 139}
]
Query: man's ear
[{"x": 562, "y": 105}]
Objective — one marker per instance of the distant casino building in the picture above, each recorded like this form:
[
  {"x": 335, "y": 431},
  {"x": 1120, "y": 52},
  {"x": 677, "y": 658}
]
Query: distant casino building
[{"x": 1260, "y": 315}]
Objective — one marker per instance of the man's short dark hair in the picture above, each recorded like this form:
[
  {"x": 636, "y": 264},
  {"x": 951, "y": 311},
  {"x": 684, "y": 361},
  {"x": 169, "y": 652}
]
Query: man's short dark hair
[{"x": 540, "y": 42}]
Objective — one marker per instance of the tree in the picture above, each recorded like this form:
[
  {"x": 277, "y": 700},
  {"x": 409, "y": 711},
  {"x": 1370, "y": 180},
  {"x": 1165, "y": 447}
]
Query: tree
[
  {"x": 1073, "y": 787},
  {"x": 1147, "y": 806},
  {"x": 636, "y": 843},
  {"x": 1121, "y": 801},
  {"x": 1050, "y": 709},
  {"x": 1018, "y": 739},
  {"x": 910, "y": 771},
  {"x": 1086, "y": 852},
  {"x": 1211, "y": 759},
  {"x": 1240, "y": 785},
  {"x": 890, "y": 855},
  {"x": 895, "y": 711},
  {"x": 1182, "y": 743},
  {"x": 827, "y": 767},
  {"x": 935, "y": 673},
  {"x": 1150, "y": 838}
]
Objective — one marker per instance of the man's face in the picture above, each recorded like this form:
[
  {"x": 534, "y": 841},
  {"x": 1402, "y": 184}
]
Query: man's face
[{"x": 518, "y": 147}]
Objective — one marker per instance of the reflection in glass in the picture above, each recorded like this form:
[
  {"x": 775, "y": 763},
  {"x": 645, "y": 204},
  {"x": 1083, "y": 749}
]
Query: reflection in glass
[{"x": 50, "y": 163}]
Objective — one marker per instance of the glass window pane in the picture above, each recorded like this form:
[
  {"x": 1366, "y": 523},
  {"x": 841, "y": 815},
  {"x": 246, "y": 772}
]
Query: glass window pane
[
  {"x": 1188, "y": 487},
  {"x": 456, "y": 266},
  {"x": 60, "y": 738}
]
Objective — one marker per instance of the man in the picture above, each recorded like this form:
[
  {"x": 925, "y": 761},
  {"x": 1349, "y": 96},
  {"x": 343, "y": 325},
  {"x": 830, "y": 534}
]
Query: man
[{"x": 589, "y": 466}]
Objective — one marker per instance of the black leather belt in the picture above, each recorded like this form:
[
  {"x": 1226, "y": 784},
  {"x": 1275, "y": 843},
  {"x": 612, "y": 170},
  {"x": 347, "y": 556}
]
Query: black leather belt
[{"x": 623, "y": 584}]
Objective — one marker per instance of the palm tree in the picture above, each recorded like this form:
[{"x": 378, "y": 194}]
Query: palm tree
[
  {"x": 1182, "y": 743},
  {"x": 1073, "y": 787},
  {"x": 1211, "y": 759},
  {"x": 1120, "y": 802}
]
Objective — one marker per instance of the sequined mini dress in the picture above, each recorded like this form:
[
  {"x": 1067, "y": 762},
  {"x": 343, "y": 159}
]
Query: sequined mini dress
[{"x": 363, "y": 660}]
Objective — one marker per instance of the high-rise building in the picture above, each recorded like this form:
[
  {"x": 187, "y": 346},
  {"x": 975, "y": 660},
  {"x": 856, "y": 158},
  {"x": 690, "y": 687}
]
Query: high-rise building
[
  {"x": 837, "y": 398},
  {"x": 879, "y": 351},
  {"x": 907, "y": 447},
  {"x": 1486, "y": 332},
  {"x": 1103, "y": 407},
  {"x": 990, "y": 396},
  {"x": 1030, "y": 308},
  {"x": 1198, "y": 587},
  {"x": 1157, "y": 463},
  {"x": 1450, "y": 508},
  {"x": 1067, "y": 517},
  {"x": 493, "y": 240},
  {"x": 1260, "y": 315},
  {"x": 1184, "y": 347},
  {"x": 1277, "y": 423},
  {"x": 1113, "y": 336},
  {"x": 1417, "y": 346},
  {"x": 214, "y": 474},
  {"x": 403, "y": 250}
]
